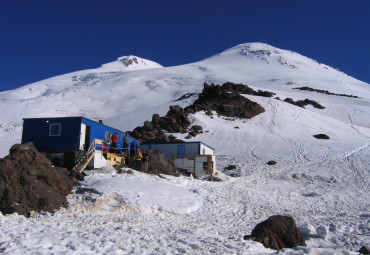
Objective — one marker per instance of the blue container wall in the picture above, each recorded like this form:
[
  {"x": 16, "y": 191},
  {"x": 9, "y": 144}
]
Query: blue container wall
[
  {"x": 37, "y": 131},
  {"x": 98, "y": 131}
]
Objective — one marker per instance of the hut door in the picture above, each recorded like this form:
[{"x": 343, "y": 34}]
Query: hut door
[
  {"x": 85, "y": 137},
  {"x": 82, "y": 137}
]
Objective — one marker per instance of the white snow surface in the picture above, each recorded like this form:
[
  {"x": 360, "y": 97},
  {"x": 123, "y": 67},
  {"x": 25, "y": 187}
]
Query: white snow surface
[{"x": 322, "y": 184}]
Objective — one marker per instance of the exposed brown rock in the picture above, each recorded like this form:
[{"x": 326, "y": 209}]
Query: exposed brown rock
[
  {"x": 28, "y": 182},
  {"x": 322, "y": 136},
  {"x": 224, "y": 102},
  {"x": 364, "y": 250},
  {"x": 277, "y": 232},
  {"x": 157, "y": 164}
]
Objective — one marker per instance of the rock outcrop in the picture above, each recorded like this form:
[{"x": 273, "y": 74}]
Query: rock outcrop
[
  {"x": 157, "y": 164},
  {"x": 322, "y": 136},
  {"x": 224, "y": 102},
  {"x": 29, "y": 182},
  {"x": 175, "y": 121}
]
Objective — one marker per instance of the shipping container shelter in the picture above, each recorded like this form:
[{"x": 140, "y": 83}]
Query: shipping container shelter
[
  {"x": 195, "y": 157},
  {"x": 69, "y": 136}
]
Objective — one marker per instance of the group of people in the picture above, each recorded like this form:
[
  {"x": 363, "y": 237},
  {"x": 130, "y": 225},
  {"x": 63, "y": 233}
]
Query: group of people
[
  {"x": 141, "y": 159},
  {"x": 113, "y": 144}
]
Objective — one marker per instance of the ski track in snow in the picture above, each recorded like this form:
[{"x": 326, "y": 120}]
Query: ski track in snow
[{"x": 353, "y": 164}]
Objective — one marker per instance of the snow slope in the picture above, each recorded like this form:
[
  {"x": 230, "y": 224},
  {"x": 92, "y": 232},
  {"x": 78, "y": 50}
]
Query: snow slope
[{"x": 323, "y": 184}]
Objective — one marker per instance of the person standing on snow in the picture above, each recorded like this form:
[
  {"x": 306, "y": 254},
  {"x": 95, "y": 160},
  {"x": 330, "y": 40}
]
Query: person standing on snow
[
  {"x": 145, "y": 160},
  {"x": 114, "y": 140},
  {"x": 138, "y": 157}
]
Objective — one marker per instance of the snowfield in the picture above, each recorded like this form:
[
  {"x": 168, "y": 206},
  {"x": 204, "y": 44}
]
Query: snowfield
[{"x": 323, "y": 184}]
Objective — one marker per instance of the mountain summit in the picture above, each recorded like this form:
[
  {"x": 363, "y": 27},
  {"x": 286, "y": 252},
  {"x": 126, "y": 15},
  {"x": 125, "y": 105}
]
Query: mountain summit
[{"x": 129, "y": 63}]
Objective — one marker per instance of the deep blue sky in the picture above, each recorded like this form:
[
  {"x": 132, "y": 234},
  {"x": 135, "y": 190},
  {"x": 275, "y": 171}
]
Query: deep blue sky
[{"x": 41, "y": 39}]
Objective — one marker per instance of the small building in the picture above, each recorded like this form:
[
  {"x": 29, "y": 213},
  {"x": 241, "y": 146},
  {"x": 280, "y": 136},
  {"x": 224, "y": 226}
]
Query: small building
[
  {"x": 195, "y": 157},
  {"x": 65, "y": 139}
]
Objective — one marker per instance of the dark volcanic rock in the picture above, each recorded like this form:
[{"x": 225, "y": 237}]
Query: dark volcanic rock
[
  {"x": 28, "y": 182},
  {"x": 175, "y": 121},
  {"x": 325, "y": 92},
  {"x": 364, "y": 250},
  {"x": 303, "y": 103},
  {"x": 321, "y": 136},
  {"x": 224, "y": 102},
  {"x": 271, "y": 163},
  {"x": 277, "y": 232},
  {"x": 157, "y": 164},
  {"x": 244, "y": 89},
  {"x": 230, "y": 167}
]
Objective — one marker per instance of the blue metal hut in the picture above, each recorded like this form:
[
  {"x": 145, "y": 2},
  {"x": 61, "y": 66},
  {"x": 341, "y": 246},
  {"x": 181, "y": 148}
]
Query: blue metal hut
[{"x": 69, "y": 135}]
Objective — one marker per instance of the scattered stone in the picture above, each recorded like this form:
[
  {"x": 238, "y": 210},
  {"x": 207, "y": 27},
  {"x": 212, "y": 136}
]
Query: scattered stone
[
  {"x": 325, "y": 92},
  {"x": 297, "y": 176},
  {"x": 364, "y": 250},
  {"x": 193, "y": 133},
  {"x": 237, "y": 127},
  {"x": 123, "y": 171},
  {"x": 230, "y": 167},
  {"x": 187, "y": 95},
  {"x": 28, "y": 182},
  {"x": 244, "y": 89},
  {"x": 277, "y": 232},
  {"x": 322, "y": 136},
  {"x": 271, "y": 162},
  {"x": 303, "y": 103}
]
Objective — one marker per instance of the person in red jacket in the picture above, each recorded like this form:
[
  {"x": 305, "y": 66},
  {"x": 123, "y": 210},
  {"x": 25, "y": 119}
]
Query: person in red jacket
[{"x": 113, "y": 144}]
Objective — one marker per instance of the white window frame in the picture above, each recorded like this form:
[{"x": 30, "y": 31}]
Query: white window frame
[
  {"x": 55, "y": 125},
  {"x": 108, "y": 136}
]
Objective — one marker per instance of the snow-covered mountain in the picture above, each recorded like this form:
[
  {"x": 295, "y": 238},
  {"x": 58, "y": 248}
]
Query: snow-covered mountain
[
  {"x": 323, "y": 182},
  {"x": 128, "y": 91}
]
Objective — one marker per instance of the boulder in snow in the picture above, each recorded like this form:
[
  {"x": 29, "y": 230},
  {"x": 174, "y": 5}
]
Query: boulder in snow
[
  {"x": 277, "y": 232},
  {"x": 364, "y": 250}
]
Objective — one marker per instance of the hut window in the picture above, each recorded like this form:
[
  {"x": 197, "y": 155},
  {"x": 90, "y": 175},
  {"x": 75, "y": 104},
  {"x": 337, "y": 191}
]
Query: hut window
[
  {"x": 107, "y": 136},
  {"x": 55, "y": 129}
]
